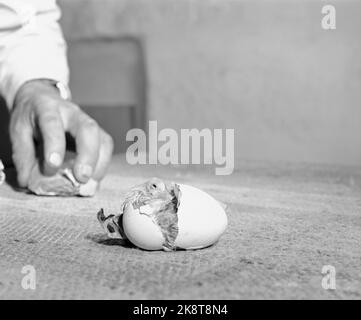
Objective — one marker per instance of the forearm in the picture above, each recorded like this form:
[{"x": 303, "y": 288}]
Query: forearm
[{"x": 31, "y": 45}]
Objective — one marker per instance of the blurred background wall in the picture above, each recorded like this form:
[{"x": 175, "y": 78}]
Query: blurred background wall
[{"x": 291, "y": 90}]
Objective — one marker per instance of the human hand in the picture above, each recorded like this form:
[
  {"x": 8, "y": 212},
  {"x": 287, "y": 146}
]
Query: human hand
[{"x": 40, "y": 113}]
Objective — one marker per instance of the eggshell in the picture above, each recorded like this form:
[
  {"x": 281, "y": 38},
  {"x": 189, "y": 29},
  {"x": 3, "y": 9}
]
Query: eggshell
[
  {"x": 201, "y": 219},
  {"x": 88, "y": 189},
  {"x": 63, "y": 183},
  {"x": 141, "y": 230},
  {"x": 201, "y": 222}
]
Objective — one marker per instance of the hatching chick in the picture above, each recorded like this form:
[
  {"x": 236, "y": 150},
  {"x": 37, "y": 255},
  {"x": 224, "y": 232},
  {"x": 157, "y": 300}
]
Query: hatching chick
[
  {"x": 149, "y": 192},
  {"x": 155, "y": 199}
]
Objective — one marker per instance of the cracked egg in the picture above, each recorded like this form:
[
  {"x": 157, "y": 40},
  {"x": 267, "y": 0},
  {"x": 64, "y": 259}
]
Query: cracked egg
[{"x": 169, "y": 216}]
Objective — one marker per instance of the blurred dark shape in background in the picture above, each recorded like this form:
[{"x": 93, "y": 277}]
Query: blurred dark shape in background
[
  {"x": 5, "y": 146},
  {"x": 107, "y": 79}
]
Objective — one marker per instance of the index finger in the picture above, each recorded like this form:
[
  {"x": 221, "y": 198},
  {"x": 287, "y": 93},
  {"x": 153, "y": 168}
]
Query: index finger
[{"x": 53, "y": 135}]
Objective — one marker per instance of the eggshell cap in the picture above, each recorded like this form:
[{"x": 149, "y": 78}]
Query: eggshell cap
[
  {"x": 201, "y": 219},
  {"x": 141, "y": 230}
]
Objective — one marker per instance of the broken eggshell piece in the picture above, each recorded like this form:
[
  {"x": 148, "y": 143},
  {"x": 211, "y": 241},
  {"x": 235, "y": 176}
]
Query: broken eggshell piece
[
  {"x": 175, "y": 217},
  {"x": 63, "y": 183}
]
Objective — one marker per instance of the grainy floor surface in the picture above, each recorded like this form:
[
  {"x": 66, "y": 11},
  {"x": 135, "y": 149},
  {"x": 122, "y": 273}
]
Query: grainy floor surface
[{"x": 285, "y": 223}]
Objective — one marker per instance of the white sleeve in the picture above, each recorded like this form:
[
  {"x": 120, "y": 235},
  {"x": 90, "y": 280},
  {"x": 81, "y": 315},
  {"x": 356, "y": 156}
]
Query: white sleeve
[{"x": 31, "y": 45}]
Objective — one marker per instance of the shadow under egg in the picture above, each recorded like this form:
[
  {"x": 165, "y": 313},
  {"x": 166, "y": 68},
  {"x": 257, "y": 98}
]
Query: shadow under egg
[{"x": 103, "y": 239}]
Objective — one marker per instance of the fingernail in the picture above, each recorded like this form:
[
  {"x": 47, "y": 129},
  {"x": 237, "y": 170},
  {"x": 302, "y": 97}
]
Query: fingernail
[
  {"x": 55, "y": 159},
  {"x": 86, "y": 171}
]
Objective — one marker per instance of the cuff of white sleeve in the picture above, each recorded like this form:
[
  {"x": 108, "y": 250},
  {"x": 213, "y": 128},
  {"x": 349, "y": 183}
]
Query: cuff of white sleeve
[
  {"x": 33, "y": 59},
  {"x": 16, "y": 85}
]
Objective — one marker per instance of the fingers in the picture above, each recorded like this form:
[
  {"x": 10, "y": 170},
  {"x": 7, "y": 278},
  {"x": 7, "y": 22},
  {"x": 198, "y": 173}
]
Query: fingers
[
  {"x": 94, "y": 146},
  {"x": 39, "y": 110},
  {"x": 86, "y": 132},
  {"x": 21, "y": 135},
  {"x": 53, "y": 135},
  {"x": 105, "y": 155}
]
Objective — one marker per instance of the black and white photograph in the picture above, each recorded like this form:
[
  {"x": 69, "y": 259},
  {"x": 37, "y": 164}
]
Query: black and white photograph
[{"x": 199, "y": 152}]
